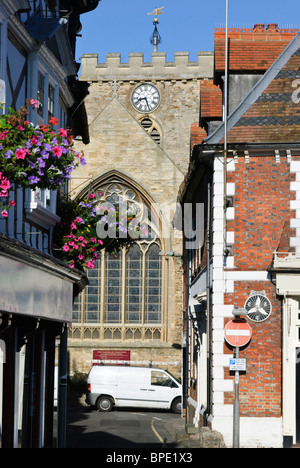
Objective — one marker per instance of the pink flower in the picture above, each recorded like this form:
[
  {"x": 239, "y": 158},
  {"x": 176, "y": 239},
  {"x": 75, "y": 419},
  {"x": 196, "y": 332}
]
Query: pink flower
[
  {"x": 66, "y": 248},
  {"x": 4, "y": 213},
  {"x": 33, "y": 102},
  {"x": 57, "y": 151},
  {"x": 3, "y": 193},
  {"x": 81, "y": 257},
  {"x": 12, "y": 203},
  {"x": 5, "y": 184},
  {"x": 90, "y": 265},
  {"x": 21, "y": 153},
  {"x": 73, "y": 226},
  {"x": 3, "y": 135},
  {"x": 72, "y": 264},
  {"x": 100, "y": 242},
  {"x": 71, "y": 243},
  {"x": 92, "y": 195},
  {"x": 93, "y": 239},
  {"x": 21, "y": 128},
  {"x": 63, "y": 133}
]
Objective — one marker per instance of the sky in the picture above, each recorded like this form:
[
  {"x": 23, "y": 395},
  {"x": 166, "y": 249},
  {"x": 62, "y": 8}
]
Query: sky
[{"x": 124, "y": 26}]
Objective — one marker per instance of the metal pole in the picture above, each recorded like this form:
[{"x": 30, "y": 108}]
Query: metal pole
[
  {"x": 236, "y": 407},
  {"x": 225, "y": 129}
]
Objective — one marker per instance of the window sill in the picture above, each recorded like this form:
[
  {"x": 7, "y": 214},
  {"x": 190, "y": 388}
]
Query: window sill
[{"x": 37, "y": 214}]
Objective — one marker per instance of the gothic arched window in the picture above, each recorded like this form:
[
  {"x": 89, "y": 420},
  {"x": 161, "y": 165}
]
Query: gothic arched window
[{"x": 124, "y": 295}]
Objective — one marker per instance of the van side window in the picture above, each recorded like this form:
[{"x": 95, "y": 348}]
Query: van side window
[{"x": 161, "y": 379}]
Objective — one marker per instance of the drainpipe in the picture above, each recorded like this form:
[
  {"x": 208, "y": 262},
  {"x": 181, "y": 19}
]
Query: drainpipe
[
  {"x": 207, "y": 411},
  {"x": 62, "y": 388}
]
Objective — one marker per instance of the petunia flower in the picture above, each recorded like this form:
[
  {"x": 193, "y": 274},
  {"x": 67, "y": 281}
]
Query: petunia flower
[{"x": 57, "y": 151}]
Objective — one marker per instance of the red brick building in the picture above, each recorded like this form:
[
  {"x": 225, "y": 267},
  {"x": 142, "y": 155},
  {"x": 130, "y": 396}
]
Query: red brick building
[{"x": 251, "y": 257}]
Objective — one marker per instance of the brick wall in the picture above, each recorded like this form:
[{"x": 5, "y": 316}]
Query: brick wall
[
  {"x": 261, "y": 209},
  {"x": 211, "y": 100},
  {"x": 261, "y": 225},
  {"x": 260, "y": 386}
]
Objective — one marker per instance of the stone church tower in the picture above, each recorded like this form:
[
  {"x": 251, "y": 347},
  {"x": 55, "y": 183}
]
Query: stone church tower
[{"x": 140, "y": 116}]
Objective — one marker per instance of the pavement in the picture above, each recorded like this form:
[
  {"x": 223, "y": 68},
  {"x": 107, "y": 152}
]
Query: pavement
[{"x": 203, "y": 438}]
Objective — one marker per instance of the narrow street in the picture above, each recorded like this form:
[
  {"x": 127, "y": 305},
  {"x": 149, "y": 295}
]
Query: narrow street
[{"x": 88, "y": 428}]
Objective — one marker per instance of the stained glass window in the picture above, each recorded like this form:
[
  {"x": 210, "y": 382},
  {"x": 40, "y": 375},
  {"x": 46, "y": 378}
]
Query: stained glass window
[
  {"x": 134, "y": 283},
  {"x": 113, "y": 288},
  {"x": 153, "y": 285},
  {"x": 125, "y": 288}
]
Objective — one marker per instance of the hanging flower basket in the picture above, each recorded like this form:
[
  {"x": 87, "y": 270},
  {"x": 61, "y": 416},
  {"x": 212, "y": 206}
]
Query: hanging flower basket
[
  {"x": 4, "y": 193},
  {"x": 35, "y": 156},
  {"x": 88, "y": 227}
]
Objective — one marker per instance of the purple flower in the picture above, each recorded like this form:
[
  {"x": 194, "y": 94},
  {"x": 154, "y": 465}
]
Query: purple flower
[
  {"x": 33, "y": 179},
  {"x": 47, "y": 147},
  {"x": 45, "y": 154},
  {"x": 8, "y": 154},
  {"x": 32, "y": 164},
  {"x": 41, "y": 162},
  {"x": 83, "y": 161}
]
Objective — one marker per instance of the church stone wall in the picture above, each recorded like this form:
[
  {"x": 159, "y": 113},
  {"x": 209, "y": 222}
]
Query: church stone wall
[{"x": 119, "y": 143}]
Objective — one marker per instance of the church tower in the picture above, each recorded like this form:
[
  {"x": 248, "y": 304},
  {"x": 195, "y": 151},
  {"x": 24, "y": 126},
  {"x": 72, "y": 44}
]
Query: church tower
[{"x": 140, "y": 116}]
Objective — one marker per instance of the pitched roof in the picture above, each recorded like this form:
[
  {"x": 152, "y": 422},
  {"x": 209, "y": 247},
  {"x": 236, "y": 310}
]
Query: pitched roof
[
  {"x": 251, "y": 48},
  {"x": 270, "y": 112}
]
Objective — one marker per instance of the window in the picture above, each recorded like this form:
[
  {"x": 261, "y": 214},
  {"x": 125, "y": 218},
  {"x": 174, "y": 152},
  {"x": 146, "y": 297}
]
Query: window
[
  {"x": 137, "y": 271},
  {"x": 162, "y": 379},
  {"x": 125, "y": 289},
  {"x": 50, "y": 101},
  {"x": 40, "y": 94},
  {"x": 134, "y": 284}
]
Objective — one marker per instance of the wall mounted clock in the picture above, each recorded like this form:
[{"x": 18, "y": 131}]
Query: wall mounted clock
[
  {"x": 258, "y": 306},
  {"x": 145, "y": 98}
]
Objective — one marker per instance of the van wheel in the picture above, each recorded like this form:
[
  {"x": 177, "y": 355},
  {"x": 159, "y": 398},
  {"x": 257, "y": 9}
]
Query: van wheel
[
  {"x": 105, "y": 404},
  {"x": 176, "y": 406}
]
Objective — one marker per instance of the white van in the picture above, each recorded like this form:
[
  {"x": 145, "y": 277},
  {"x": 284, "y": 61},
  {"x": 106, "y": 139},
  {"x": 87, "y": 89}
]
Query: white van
[{"x": 139, "y": 387}]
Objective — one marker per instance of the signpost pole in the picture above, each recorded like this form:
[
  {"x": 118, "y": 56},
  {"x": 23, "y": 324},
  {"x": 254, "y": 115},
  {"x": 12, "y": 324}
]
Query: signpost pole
[
  {"x": 237, "y": 333},
  {"x": 236, "y": 407}
]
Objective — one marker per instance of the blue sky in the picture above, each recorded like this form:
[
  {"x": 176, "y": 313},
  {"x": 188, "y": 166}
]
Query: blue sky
[{"x": 124, "y": 26}]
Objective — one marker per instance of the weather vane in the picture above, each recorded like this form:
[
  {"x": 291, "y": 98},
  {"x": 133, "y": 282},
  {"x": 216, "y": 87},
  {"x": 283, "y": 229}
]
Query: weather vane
[
  {"x": 155, "y": 38},
  {"x": 157, "y": 11}
]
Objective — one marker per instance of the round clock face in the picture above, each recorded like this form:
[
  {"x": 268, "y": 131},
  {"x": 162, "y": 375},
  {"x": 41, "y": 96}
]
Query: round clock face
[
  {"x": 145, "y": 98},
  {"x": 258, "y": 307}
]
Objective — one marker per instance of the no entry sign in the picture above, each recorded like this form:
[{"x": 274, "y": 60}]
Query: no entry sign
[{"x": 238, "y": 333}]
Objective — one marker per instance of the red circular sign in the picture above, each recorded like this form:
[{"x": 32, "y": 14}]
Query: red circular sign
[{"x": 238, "y": 333}]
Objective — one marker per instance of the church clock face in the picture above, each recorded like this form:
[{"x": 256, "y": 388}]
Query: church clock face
[
  {"x": 258, "y": 306},
  {"x": 145, "y": 98}
]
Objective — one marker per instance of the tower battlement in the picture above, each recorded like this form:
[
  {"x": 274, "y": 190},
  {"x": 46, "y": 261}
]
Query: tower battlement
[{"x": 136, "y": 68}]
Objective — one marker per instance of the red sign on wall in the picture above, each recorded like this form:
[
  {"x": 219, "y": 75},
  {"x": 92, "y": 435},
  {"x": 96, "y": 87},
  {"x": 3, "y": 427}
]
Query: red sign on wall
[{"x": 108, "y": 356}]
